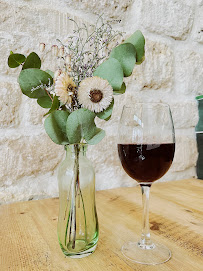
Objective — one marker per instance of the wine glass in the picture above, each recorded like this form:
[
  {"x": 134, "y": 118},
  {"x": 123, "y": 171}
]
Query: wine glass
[{"x": 146, "y": 147}]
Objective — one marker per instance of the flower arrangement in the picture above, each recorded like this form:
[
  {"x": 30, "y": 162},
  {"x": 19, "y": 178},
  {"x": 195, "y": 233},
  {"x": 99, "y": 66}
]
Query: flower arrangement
[{"x": 83, "y": 87}]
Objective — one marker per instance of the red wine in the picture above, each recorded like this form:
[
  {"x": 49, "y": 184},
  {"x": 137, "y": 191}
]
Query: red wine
[{"x": 146, "y": 162}]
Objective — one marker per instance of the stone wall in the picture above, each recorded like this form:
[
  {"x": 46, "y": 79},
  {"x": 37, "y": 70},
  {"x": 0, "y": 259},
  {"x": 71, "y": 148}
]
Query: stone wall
[{"x": 172, "y": 73}]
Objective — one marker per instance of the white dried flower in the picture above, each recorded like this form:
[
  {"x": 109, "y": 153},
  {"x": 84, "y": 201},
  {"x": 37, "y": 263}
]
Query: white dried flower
[
  {"x": 42, "y": 47},
  {"x": 68, "y": 59},
  {"x": 54, "y": 50},
  {"x": 95, "y": 94},
  {"x": 57, "y": 74},
  {"x": 61, "y": 51},
  {"x": 65, "y": 88}
]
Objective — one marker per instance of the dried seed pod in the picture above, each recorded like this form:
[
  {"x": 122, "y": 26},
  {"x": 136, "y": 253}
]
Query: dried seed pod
[
  {"x": 68, "y": 59},
  {"x": 54, "y": 50},
  {"x": 61, "y": 51},
  {"x": 42, "y": 47},
  {"x": 57, "y": 74}
]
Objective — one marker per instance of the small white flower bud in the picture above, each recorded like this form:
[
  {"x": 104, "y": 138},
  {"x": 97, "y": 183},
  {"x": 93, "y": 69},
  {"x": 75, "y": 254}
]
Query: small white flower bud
[
  {"x": 54, "y": 50},
  {"x": 68, "y": 60},
  {"x": 42, "y": 47},
  {"x": 61, "y": 51},
  {"x": 57, "y": 74}
]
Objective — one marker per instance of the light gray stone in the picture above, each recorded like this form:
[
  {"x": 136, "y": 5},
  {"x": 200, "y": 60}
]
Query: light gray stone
[
  {"x": 33, "y": 112},
  {"x": 172, "y": 18},
  {"x": 27, "y": 156},
  {"x": 10, "y": 99},
  {"x": 188, "y": 71},
  {"x": 198, "y": 25},
  {"x": 109, "y": 8},
  {"x": 30, "y": 188},
  {"x": 185, "y": 114},
  {"x": 156, "y": 72},
  {"x": 185, "y": 153}
]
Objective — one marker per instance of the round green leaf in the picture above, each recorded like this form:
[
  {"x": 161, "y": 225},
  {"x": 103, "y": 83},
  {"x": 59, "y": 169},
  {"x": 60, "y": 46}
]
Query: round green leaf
[
  {"x": 44, "y": 102},
  {"x": 50, "y": 72},
  {"x": 121, "y": 90},
  {"x": 32, "y": 82},
  {"x": 106, "y": 114},
  {"x": 99, "y": 134},
  {"x": 32, "y": 61},
  {"x": 80, "y": 124},
  {"x": 112, "y": 71},
  {"x": 126, "y": 55},
  {"x": 14, "y": 60},
  {"x": 138, "y": 40},
  {"x": 55, "y": 126},
  {"x": 54, "y": 106}
]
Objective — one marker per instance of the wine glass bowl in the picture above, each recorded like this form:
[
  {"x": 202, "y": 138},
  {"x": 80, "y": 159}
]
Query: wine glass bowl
[{"x": 146, "y": 147}]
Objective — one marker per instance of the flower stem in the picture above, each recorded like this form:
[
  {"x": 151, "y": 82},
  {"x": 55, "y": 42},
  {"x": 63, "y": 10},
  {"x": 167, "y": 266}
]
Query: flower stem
[{"x": 75, "y": 183}]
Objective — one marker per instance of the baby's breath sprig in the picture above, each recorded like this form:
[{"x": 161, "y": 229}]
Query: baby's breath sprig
[{"x": 88, "y": 50}]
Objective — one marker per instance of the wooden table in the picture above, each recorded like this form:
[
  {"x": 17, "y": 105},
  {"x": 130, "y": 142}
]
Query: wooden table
[{"x": 28, "y": 235}]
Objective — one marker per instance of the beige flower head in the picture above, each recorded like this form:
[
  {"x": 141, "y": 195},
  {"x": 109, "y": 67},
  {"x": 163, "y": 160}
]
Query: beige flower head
[
  {"x": 95, "y": 94},
  {"x": 65, "y": 88}
]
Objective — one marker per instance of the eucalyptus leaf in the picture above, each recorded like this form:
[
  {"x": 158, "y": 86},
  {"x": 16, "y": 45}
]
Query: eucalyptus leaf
[
  {"x": 121, "y": 90},
  {"x": 32, "y": 61},
  {"x": 106, "y": 114},
  {"x": 126, "y": 54},
  {"x": 45, "y": 102},
  {"x": 81, "y": 125},
  {"x": 112, "y": 71},
  {"x": 138, "y": 40},
  {"x": 54, "y": 106},
  {"x": 99, "y": 134},
  {"x": 50, "y": 73},
  {"x": 32, "y": 82},
  {"x": 14, "y": 60},
  {"x": 55, "y": 126}
]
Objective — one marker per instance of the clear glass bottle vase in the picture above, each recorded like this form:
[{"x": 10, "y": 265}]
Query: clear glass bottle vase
[{"x": 77, "y": 220}]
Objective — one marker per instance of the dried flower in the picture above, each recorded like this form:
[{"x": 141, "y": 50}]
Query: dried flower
[
  {"x": 54, "y": 50},
  {"x": 68, "y": 60},
  {"x": 61, "y": 51},
  {"x": 65, "y": 88},
  {"x": 95, "y": 94},
  {"x": 57, "y": 74},
  {"x": 42, "y": 47}
]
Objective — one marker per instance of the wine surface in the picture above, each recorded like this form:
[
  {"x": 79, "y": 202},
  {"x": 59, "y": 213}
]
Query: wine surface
[{"x": 146, "y": 162}]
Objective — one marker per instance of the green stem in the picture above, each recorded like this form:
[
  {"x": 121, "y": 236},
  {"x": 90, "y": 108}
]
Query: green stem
[{"x": 72, "y": 233}]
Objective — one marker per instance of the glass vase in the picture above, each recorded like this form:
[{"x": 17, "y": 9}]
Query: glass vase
[{"x": 77, "y": 220}]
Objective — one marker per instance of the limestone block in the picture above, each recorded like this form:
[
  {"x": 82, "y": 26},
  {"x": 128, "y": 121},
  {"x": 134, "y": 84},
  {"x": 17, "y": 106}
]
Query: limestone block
[
  {"x": 185, "y": 114},
  {"x": 27, "y": 156},
  {"x": 33, "y": 112},
  {"x": 179, "y": 175},
  {"x": 172, "y": 18},
  {"x": 10, "y": 99},
  {"x": 188, "y": 71},
  {"x": 185, "y": 153},
  {"x": 109, "y": 172},
  {"x": 198, "y": 26},
  {"x": 156, "y": 72},
  {"x": 30, "y": 188},
  {"x": 109, "y": 8}
]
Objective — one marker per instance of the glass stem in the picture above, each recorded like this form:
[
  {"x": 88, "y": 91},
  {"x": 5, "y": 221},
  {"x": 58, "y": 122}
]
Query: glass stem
[{"x": 145, "y": 241}]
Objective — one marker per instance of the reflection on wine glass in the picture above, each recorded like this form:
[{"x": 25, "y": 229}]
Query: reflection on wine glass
[{"x": 146, "y": 147}]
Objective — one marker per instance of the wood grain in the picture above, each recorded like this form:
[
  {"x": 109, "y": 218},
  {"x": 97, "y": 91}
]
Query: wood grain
[{"x": 29, "y": 239}]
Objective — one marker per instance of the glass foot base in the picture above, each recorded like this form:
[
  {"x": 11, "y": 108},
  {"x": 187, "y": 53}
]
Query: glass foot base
[
  {"x": 81, "y": 254},
  {"x": 153, "y": 254}
]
